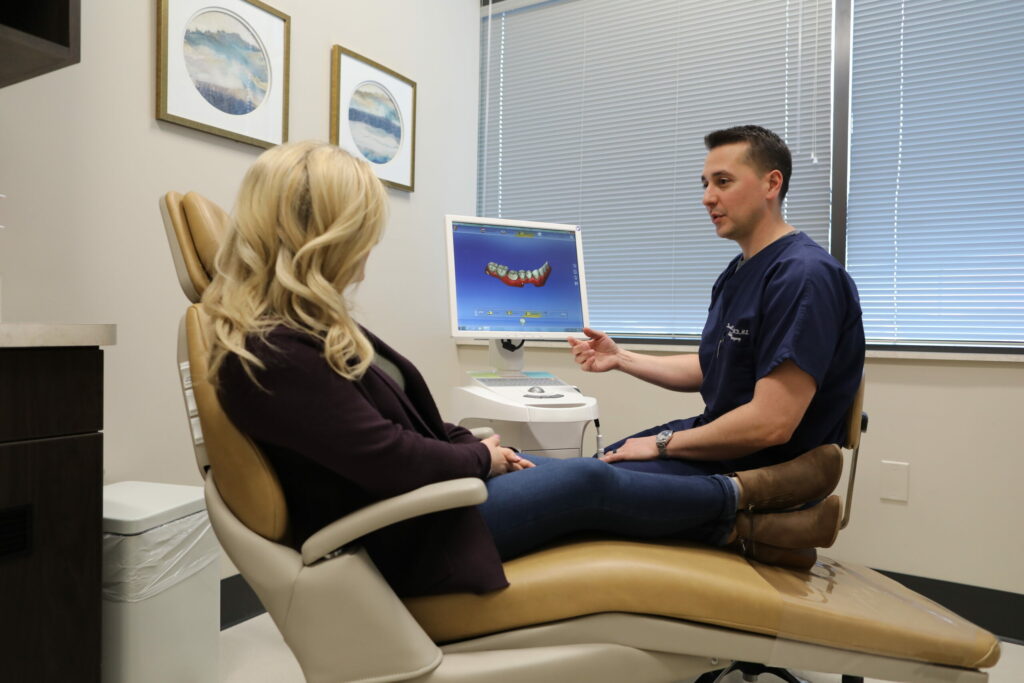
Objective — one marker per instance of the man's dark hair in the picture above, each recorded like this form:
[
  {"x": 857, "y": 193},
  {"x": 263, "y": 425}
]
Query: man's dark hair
[{"x": 767, "y": 151}]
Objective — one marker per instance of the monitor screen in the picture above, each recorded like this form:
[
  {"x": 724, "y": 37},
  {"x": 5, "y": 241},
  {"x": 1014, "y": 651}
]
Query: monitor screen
[{"x": 515, "y": 279}]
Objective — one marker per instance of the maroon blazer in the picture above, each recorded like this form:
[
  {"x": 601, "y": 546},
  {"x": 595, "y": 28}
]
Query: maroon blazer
[{"x": 339, "y": 445}]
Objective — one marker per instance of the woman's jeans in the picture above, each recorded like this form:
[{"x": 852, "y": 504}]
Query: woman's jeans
[{"x": 530, "y": 507}]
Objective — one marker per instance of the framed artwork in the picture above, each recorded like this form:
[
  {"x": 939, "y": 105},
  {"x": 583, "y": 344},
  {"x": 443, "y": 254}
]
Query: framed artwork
[
  {"x": 222, "y": 67},
  {"x": 373, "y": 115}
]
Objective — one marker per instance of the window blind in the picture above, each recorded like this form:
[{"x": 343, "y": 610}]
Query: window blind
[
  {"x": 593, "y": 112},
  {"x": 935, "y": 239}
]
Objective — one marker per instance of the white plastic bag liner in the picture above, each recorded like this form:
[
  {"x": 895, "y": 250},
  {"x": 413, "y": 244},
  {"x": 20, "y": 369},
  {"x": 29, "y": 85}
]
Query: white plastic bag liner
[{"x": 137, "y": 567}]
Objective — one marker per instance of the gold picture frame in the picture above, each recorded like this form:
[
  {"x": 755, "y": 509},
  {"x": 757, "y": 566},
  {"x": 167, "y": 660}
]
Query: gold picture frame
[
  {"x": 223, "y": 68},
  {"x": 379, "y": 121}
]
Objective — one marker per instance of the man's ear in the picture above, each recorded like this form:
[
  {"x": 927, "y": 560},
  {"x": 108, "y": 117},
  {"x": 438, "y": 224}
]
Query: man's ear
[{"x": 774, "y": 180}]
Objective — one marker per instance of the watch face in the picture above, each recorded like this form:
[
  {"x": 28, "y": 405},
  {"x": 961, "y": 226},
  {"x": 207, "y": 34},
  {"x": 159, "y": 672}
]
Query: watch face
[{"x": 661, "y": 441}]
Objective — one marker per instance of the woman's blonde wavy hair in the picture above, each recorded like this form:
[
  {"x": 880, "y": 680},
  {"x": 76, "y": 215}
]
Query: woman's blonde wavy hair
[{"x": 306, "y": 218}]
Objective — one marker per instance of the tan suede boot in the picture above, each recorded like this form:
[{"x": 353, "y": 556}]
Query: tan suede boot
[
  {"x": 799, "y": 558},
  {"x": 815, "y": 527},
  {"x": 806, "y": 478}
]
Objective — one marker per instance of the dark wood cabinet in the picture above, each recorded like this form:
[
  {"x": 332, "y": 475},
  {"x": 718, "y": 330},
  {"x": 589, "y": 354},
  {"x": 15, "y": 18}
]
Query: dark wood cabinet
[
  {"x": 51, "y": 507},
  {"x": 38, "y": 37}
]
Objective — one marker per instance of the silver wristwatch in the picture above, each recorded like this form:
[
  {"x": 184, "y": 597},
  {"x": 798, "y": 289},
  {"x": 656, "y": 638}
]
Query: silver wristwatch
[{"x": 661, "y": 441}]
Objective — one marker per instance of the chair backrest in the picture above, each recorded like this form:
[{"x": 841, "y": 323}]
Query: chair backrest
[
  {"x": 856, "y": 424},
  {"x": 245, "y": 479},
  {"x": 856, "y": 419}
]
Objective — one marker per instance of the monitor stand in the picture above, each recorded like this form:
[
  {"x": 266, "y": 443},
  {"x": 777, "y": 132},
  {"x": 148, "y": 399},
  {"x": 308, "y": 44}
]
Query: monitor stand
[{"x": 506, "y": 356}]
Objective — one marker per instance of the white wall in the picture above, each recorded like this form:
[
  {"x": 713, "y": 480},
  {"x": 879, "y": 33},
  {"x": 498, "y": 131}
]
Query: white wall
[{"x": 83, "y": 162}]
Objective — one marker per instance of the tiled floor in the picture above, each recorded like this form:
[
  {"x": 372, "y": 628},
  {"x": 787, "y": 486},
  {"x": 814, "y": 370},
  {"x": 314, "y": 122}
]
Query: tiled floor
[{"x": 253, "y": 652}]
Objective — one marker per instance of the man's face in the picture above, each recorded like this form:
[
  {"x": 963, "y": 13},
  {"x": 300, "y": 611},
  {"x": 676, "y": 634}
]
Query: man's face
[{"x": 735, "y": 193}]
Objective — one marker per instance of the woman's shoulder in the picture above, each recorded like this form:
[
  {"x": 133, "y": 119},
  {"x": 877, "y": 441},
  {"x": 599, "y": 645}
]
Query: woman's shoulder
[
  {"x": 281, "y": 340},
  {"x": 287, "y": 360},
  {"x": 280, "y": 350}
]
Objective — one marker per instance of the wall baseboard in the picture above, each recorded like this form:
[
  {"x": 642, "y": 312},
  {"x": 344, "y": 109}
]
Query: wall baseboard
[{"x": 993, "y": 610}]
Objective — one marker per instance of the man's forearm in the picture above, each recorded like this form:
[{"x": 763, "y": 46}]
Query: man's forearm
[
  {"x": 679, "y": 372},
  {"x": 780, "y": 401},
  {"x": 737, "y": 433}
]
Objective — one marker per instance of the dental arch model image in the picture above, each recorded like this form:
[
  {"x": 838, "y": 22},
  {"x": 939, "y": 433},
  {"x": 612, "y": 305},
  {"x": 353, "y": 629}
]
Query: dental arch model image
[{"x": 517, "y": 278}]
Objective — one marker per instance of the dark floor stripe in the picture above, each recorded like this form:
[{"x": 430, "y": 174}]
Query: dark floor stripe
[
  {"x": 238, "y": 602},
  {"x": 993, "y": 610}
]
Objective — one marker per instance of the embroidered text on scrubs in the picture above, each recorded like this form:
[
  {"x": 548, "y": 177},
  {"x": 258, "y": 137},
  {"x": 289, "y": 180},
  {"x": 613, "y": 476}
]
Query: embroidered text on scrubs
[{"x": 735, "y": 334}]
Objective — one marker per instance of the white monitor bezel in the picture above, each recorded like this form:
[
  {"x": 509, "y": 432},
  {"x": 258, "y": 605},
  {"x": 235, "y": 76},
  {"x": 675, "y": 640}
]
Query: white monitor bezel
[{"x": 505, "y": 222}]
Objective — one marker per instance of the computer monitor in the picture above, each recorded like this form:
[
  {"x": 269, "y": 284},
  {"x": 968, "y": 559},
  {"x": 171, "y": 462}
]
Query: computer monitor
[{"x": 511, "y": 279}]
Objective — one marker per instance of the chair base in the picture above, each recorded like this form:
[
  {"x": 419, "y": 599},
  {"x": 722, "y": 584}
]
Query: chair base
[
  {"x": 711, "y": 646},
  {"x": 751, "y": 672}
]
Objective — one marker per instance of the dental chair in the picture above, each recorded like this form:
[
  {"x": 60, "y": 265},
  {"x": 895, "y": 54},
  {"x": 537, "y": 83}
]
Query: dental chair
[{"x": 590, "y": 609}]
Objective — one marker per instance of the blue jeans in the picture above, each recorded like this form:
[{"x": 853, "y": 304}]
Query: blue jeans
[{"x": 528, "y": 508}]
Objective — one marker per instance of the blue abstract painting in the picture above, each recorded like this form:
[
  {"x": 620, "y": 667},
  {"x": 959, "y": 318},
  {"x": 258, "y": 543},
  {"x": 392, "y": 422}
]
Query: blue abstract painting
[
  {"x": 375, "y": 122},
  {"x": 226, "y": 62}
]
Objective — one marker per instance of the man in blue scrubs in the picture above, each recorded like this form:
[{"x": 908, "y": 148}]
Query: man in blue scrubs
[{"x": 782, "y": 352}]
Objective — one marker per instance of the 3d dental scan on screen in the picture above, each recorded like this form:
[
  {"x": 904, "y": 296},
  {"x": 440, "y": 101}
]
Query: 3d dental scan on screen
[
  {"x": 511, "y": 281},
  {"x": 515, "y": 279}
]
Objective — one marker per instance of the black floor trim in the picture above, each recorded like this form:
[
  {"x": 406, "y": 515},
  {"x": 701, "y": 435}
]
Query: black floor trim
[
  {"x": 993, "y": 610},
  {"x": 238, "y": 602}
]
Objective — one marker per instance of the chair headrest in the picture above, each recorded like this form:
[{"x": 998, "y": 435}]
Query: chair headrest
[
  {"x": 195, "y": 228},
  {"x": 245, "y": 479}
]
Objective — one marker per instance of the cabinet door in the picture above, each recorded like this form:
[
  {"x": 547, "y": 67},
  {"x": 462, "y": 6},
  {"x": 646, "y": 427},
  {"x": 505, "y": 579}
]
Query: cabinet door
[
  {"x": 50, "y": 392},
  {"x": 51, "y": 506}
]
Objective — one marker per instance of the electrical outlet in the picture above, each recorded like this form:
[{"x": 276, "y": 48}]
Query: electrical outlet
[{"x": 895, "y": 481}]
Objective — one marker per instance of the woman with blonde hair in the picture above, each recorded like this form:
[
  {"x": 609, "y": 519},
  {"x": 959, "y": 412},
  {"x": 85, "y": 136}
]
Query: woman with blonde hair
[{"x": 346, "y": 420}]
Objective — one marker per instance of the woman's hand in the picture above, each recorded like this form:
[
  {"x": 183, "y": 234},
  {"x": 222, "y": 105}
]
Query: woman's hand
[
  {"x": 503, "y": 459},
  {"x": 597, "y": 354},
  {"x": 642, "y": 448}
]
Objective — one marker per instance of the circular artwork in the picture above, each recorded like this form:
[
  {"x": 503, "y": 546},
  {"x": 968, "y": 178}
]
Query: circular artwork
[
  {"x": 375, "y": 122},
  {"x": 226, "y": 62}
]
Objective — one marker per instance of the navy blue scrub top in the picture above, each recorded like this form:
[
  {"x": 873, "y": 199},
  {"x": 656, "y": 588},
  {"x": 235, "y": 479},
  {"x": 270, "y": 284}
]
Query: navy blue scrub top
[{"x": 791, "y": 301}]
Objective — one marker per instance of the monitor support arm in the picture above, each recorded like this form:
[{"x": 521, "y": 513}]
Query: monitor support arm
[
  {"x": 510, "y": 344},
  {"x": 506, "y": 355}
]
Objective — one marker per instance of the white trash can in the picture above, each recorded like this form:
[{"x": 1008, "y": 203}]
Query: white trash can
[{"x": 161, "y": 585}]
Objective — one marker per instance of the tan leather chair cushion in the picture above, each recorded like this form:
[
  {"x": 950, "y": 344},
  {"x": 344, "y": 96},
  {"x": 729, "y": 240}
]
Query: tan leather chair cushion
[
  {"x": 246, "y": 481},
  {"x": 199, "y": 226},
  {"x": 836, "y": 604},
  {"x": 208, "y": 223}
]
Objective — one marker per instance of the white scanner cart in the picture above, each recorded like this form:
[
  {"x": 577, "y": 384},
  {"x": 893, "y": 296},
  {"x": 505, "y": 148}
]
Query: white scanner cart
[{"x": 534, "y": 411}]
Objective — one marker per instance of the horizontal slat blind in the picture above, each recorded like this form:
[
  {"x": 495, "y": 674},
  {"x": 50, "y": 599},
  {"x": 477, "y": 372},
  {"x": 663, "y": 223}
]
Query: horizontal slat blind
[
  {"x": 593, "y": 112},
  {"x": 935, "y": 238}
]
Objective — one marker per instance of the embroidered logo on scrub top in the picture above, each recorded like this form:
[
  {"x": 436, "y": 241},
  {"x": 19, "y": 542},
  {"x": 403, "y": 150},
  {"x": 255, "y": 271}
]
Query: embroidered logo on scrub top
[{"x": 736, "y": 334}]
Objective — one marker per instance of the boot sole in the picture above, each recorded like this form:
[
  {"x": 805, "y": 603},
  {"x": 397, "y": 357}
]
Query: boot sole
[{"x": 839, "y": 520}]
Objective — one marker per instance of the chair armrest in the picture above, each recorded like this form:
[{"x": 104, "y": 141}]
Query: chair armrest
[
  {"x": 482, "y": 432},
  {"x": 444, "y": 495}
]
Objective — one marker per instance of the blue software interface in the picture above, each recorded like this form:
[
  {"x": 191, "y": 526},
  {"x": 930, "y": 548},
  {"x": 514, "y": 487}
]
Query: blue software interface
[{"x": 516, "y": 279}]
